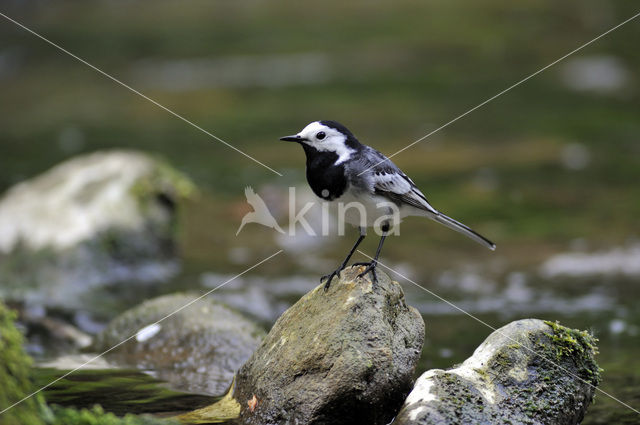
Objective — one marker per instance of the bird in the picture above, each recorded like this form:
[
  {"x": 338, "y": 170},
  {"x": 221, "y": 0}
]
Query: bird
[
  {"x": 260, "y": 213},
  {"x": 341, "y": 170}
]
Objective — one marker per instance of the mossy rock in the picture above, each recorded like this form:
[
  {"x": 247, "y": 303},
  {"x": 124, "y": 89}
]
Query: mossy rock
[
  {"x": 343, "y": 356},
  {"x": 95, "y": 219},
  {"x": 527, "y": 372}
]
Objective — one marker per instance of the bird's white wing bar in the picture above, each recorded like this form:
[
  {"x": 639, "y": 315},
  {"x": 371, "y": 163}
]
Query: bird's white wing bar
[
  {"x": 400, "y": 189},
  {"x": 390, "y": 182}
]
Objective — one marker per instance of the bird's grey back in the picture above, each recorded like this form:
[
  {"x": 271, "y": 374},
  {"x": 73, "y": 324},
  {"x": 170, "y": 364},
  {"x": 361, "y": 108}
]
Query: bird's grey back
[{"x": 373, "y": 162}]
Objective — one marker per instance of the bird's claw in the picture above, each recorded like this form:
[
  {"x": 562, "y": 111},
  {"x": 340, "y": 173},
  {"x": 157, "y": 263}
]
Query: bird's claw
[
  {"x": 371, "y": 267},
  {"x": 329, "y": 278}
]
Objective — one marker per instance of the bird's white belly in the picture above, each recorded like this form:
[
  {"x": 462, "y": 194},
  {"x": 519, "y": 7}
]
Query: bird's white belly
[{"x": 367, "y": 210}]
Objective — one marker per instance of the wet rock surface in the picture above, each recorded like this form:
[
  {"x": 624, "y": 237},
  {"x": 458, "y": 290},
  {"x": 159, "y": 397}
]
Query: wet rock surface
[
  {"x": 94, "y": 219},
  {"x": 344, "y": 356},
  {"x": 198, "y": 349},
  {"x": 510, "y": 379}
]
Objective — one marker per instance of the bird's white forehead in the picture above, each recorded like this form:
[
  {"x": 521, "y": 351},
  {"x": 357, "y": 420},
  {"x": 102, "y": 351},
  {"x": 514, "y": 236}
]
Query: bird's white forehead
[
  {"x": 334, "y": 141},
  {"x": 315, "y": 127}
]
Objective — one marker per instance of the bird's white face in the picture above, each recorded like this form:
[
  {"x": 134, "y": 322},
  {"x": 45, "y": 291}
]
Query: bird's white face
[{"x": 326, "y": 139}]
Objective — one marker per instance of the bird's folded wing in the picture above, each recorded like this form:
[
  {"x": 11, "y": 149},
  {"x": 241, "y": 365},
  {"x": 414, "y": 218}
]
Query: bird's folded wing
[
  {"x": 400, "y": 189},
  {"x": 389, "y": 181}
]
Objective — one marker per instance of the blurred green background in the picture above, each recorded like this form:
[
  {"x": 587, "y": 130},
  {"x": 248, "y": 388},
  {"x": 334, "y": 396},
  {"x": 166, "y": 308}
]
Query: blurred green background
[
  {"x": 551, "y": 162},
  {"x": 391, "y": 72},
  {"x": 253, "y": 71}
]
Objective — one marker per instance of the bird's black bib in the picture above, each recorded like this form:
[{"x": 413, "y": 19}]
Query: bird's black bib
[{"x": 326, "y": 179}]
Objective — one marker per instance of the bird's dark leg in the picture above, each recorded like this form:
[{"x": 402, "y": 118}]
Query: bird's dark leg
[
  {"x": 371, "y": 266},
  {"x": 337, "y": 271}
]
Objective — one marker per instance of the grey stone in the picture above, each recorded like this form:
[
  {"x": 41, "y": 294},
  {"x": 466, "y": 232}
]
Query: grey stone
[
  {"x": 345, "y": 356},
  {"x": 198, "y": 349},
  {"x": 527, "y": 372},
  {"x": 92, "y": 220}
]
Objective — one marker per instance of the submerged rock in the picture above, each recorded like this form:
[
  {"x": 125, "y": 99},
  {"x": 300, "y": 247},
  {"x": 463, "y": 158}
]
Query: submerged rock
[
  {"x": 345, "y": 356},
  {"x": 94, "y": 219},
  {"x": 527, "y": 372},
  {"x": 197, "y": 349}
]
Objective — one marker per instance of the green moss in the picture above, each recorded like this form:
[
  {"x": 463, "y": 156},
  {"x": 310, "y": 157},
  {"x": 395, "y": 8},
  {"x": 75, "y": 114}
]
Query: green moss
[
  {"x": 15, "y": 376},
  {"x": 163, "y": 179},
  {"x": 482, "y": 373},
  {"x": 164, "y": 185},
  {"x": 502, "y": 362},
  {"x": 16, "y": 384},
  {"x": 578, "y": 345},
  {"x": 465, "y": 402},
  {"x": 97, "y": 416}
]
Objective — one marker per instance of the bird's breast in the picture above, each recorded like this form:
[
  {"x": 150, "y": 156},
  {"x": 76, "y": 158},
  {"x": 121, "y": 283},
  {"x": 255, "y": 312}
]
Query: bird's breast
[{"x": 327, "y": 180}]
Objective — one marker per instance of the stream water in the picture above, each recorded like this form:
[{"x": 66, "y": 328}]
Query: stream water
[{"x": 605, "y": 305}]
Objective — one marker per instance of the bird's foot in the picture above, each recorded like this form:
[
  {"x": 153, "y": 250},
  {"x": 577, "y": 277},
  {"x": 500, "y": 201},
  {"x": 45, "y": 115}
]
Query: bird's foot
[
  {"x": 370, "y": 267},
  {"x": 330, "y": 277}
]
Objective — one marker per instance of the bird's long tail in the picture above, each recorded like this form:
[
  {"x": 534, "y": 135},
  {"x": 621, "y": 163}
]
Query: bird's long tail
[{"x": 461, "y": 228}]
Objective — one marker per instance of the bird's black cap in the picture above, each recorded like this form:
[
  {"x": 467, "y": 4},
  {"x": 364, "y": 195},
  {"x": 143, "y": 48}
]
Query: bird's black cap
[
  {"x": 335, "y": 124},
  {"x": 351, "y": 139}
]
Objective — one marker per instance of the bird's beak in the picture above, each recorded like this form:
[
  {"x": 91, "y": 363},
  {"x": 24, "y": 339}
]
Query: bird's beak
[{"x": 294, "y": 138}]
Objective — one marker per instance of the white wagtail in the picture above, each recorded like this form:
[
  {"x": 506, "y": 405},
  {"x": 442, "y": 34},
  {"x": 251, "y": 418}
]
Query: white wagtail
[{"x": 341, "y": 169}]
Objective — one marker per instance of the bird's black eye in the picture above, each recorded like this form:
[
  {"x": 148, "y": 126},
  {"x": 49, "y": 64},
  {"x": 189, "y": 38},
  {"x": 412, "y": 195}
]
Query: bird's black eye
[{"x": 321, "y": 135}]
